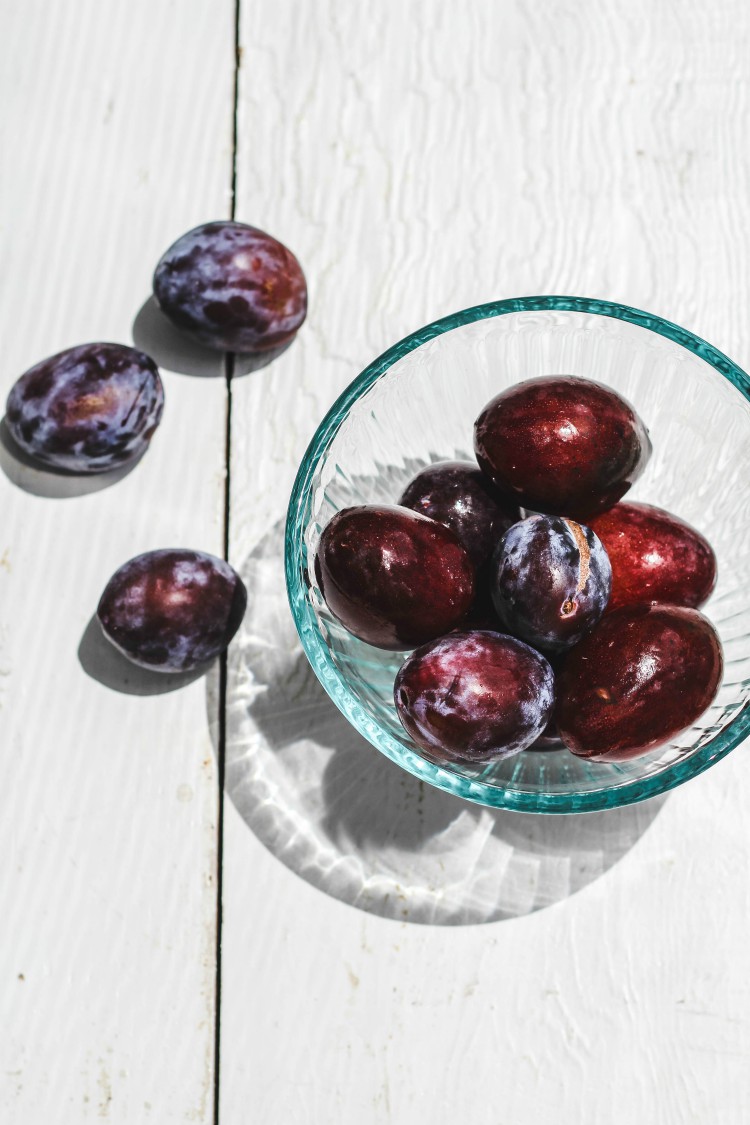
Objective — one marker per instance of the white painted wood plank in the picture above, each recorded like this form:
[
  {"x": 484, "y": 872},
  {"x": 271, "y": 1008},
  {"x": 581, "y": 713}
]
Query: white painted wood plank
[
  {"x": 420, "y": 158},
  {"x": 116, "y": 136}
]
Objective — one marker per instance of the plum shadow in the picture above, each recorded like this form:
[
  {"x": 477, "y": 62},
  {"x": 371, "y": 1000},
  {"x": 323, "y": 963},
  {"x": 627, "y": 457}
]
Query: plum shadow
[
  {"x": 28, "y": 475},
  {"x": 102, "y": 662},
  {"x": 174, "y": 351}
]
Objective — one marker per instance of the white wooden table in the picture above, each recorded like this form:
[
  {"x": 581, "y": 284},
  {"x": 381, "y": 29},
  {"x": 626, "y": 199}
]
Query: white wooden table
[{"x": 386, "y": 954}]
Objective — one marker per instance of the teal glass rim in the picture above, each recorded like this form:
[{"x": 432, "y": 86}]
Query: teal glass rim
[{"x": 312, "y": 639}]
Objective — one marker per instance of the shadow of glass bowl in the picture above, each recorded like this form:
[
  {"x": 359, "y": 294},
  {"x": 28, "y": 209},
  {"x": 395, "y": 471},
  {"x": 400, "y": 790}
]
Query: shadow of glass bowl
[{"x": 354, "y": 825}]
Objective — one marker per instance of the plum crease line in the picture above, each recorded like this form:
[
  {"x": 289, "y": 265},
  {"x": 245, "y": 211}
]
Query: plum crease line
[{"x": 229, "y": 366}]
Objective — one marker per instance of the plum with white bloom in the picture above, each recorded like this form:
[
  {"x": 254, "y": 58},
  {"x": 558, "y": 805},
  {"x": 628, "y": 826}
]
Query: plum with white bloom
[
  {"x": 474, "y": 696},
  {"x": 172, "y": 610}
]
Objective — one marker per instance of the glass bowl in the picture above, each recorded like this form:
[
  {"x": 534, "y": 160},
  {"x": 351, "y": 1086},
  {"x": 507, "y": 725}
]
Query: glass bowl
[{"x": 416, "y": 404}]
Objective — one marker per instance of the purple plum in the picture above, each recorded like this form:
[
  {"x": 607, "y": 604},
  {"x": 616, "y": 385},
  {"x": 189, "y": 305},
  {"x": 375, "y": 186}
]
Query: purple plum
[
  {"x": 232, "y": 287},
  {"x": 172, "y": 610},
  {"x": 551, "y": 581},
  {"x": 88, "y": 409},
  {"x": 474, "y": 696}
]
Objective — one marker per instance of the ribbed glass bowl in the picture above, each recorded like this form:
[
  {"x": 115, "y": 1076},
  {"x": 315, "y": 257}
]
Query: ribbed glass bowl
[{"x": 417, "y": 403}]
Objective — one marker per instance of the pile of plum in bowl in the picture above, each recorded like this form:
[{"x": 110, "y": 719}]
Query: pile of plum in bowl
[{"x": 517, "y": 553}]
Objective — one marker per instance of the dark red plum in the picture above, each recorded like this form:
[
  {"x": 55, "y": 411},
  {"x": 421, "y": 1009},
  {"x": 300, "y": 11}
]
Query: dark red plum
[
  {"x": 551, "y": 581},
  {"x": 561, "y": 445},
  {"x": 458, "y": 495},
  {"x": 172, "y": 610},
  {"x": 88, "y": 409},
  {"x": 655, "y": 557},
  {"x": 474, "y": 696},
  {"x": 232, "y": 287},
  {"x": 393, "y": 578},
  {"x": 644, "y": 674}
]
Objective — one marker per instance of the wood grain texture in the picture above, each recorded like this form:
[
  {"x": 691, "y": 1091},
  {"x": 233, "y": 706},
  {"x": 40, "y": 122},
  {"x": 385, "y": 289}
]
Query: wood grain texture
[
  {"x": 420, "y": 158},
  {"x": 116, "y": 133}
]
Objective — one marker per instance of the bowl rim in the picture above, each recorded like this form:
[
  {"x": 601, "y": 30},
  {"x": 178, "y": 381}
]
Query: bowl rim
[{"x": 316, "y": 649}]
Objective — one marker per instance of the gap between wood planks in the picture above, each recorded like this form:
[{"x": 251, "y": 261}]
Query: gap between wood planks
[{"x": 228, "y": 375}]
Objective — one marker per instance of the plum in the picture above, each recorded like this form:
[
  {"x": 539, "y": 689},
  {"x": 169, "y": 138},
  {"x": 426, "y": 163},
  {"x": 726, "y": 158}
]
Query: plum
[
  {"x": 232, "y": 287},
  {"x": 561, "y": 445},
  {"x": 655, "y": 557},
  {"x": 393, "y": 578},
  {"x": 551, "y": 581},
  {"x": 645, "y": 674},
  {"x": 172, "y": 610},
  {"x": 474, "y": 696},
  {"x": 88, "y": 409},
  {"x": 459, "y": 495}
]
